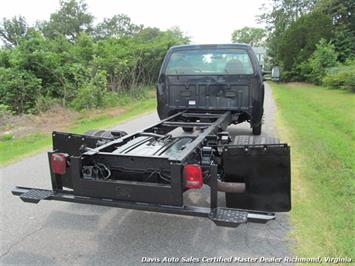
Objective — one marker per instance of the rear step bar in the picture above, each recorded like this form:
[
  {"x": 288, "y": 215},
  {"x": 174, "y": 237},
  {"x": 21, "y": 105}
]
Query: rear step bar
[{"x": 220, "y": 216}]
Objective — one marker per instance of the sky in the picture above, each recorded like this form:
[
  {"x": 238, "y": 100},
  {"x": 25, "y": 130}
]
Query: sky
[{"x": 205, "y": 21}]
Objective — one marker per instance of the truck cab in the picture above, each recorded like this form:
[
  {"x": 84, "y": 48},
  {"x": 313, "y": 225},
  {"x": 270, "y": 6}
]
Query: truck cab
[{"x": 203, "y": 78}]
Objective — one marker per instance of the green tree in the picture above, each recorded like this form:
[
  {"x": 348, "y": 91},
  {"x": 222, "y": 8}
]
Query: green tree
[
  {"x": 299, "y": 40},
  {"x": 176, "y": 35},
  {"x": 277, "y": 19},
  {"x": 118, "y": 26},
  {"x": 148, "y": 34},
  {"x": 70, "y": 20},
  {"x": 83, "y": 50},
  {"x": 322, "y": 58},
  {"x": 344, "y": 41},
  {"x": 342, "y": 13},
  {"x": 62, "y": 60},
  {"x": 252, "y": 36},
  {"x": 13, "y": 30}
]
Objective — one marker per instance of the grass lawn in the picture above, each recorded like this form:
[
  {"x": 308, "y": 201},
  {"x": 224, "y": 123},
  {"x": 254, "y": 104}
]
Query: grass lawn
[
  {"x": 30, "y": 144},
  {"x": 319, "y": 123}
]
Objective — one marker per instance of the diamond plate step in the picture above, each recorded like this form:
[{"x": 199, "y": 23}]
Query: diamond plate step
[
  {"x": 228, "y": 217},
  {"x": 255, "y": 140},
  {"x": 35, "y": 195}
]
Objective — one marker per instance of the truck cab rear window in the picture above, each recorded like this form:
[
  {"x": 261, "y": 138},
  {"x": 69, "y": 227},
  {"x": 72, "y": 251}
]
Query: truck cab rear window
[{"x": 210, "y": 62}]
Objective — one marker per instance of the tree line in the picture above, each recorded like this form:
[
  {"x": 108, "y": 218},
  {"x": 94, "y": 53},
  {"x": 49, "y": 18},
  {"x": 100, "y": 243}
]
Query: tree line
[
  {"x": 312, "y": 40},
  {"x": 70, "y": 60}
]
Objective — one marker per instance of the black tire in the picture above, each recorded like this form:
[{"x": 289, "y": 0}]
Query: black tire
[
  {"x": 118, "y": 134},
  {"x": 188, "y": 129},
  {"x": 106, "y": 134},
  {"x": 257, "y": 130},
  {"x": 94, "y": 133}
]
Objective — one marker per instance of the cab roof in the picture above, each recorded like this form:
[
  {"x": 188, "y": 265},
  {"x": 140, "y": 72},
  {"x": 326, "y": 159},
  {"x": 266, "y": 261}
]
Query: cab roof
[{"x": 209, "y": 46}]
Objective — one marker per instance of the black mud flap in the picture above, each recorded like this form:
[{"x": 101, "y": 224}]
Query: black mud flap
[{"x": 265, "y": 168}]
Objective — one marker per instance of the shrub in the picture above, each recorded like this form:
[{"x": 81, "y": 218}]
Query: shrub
[
  {"x": 349, "y": 83},
  {"x": 91, "y": 93},
  {"x": 125, "y": 97},
  {"x": 5, "y": 110},
  {"x": 341, "y": 77},
  {"x": 7, "y": 136},
  {"x": 140, "y": 92},
  {"x": 112, "y": 99},
  {"x": 19, "y": 89},
  {"x": 322, "y": 58},
  {"x": 44, "y": 103},
  {"x": 89, "y": 96},
  {"x": 62, "y": 60}
]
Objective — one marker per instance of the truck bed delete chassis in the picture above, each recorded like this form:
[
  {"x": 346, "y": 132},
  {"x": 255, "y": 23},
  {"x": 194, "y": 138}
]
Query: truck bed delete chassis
[{"x": 145, "y": 170}]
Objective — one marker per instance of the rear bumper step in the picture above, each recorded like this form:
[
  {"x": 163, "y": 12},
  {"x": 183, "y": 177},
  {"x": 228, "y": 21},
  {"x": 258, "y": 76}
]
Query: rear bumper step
[
  {"x": 221, "y": 216},
  {"x": 228, "y": 217},
  {"x": 35, "y": 195}
]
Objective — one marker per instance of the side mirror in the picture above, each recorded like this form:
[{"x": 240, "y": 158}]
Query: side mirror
[
  {"x": 266, "y": 75},
  {"x": 275, "y": 73}
]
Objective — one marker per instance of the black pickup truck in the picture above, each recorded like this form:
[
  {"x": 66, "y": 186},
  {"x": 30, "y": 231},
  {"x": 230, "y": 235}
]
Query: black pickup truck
[{"x": 201, "y": 90}]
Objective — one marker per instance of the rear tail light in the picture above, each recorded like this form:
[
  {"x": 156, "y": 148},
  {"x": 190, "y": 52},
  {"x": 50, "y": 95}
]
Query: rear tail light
[
  {"x": 59, "y": 163},
  {"x": 193, "y": 176}
]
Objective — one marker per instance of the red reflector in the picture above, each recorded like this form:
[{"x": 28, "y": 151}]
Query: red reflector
[
  {"x": 59, "y": 163},
  {"x": 193, "y": 176}
]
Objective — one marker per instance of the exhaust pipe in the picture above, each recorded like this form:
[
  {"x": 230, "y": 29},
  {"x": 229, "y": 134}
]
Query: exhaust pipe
[{"x": 230, "y": 187}]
